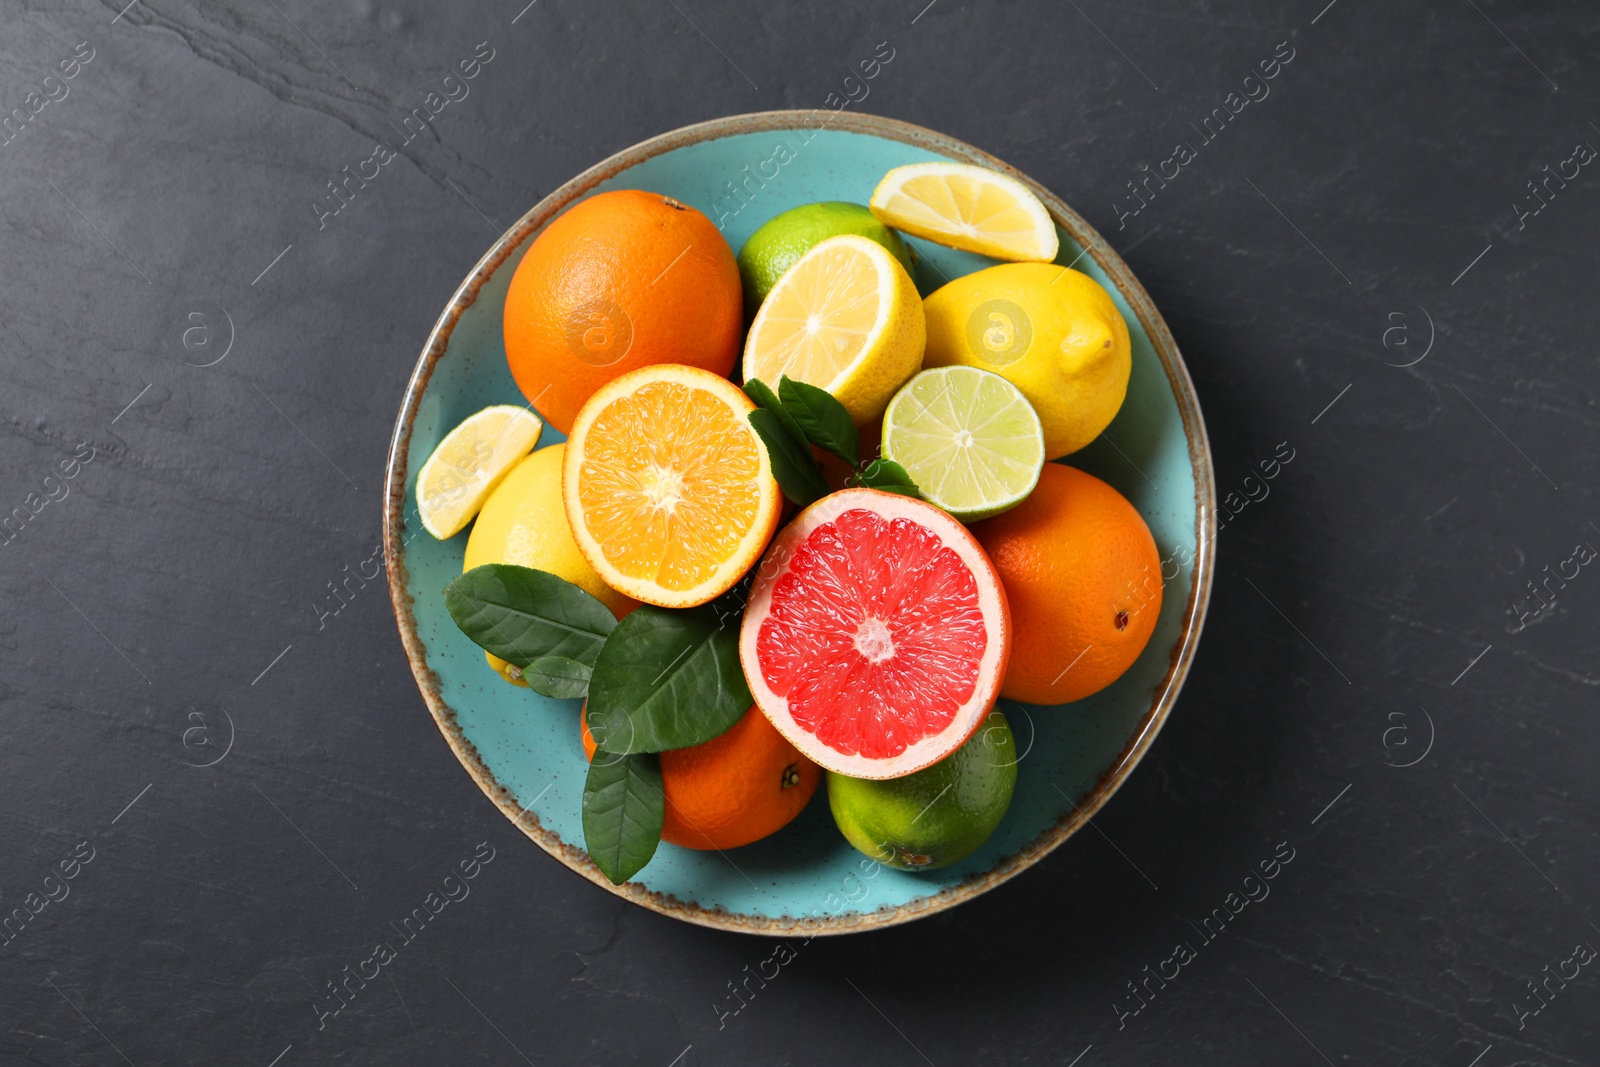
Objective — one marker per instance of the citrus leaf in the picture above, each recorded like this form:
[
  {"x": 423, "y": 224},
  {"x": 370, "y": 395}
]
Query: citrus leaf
[
  {"x": 521, "y": 614},
  {"x": 889, "y": 476},
  {"x": 623, "y": 810},
  {"x": 758, "y": 391},
  {"x": 666, "y": 679},
  {"x": 792, "y": 464},
  {"x": 825, "y": 421},
  {"x": 557, "y": 676}
]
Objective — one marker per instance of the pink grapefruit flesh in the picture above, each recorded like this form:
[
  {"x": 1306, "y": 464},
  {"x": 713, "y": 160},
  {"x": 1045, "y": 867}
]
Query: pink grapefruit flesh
[{"x": 876, "y": 634}]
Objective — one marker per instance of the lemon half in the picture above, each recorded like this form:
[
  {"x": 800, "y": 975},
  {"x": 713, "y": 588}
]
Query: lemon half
[{"x": 845, "y": 318}]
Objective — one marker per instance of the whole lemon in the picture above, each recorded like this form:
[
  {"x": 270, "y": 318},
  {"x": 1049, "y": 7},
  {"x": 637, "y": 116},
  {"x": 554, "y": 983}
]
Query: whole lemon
[
  {"x": 1051, "y": 331},
  {"x": 524, "y": 522}
]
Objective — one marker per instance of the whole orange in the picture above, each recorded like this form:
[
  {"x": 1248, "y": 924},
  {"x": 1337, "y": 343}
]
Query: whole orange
[
  {"x": 736, "y": 788},
  {"x": 1083, "y": 577},
  {"x": 622, "y": 280}
]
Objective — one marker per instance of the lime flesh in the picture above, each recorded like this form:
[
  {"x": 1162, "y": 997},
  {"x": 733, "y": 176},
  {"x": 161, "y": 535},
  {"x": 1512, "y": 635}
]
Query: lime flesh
[
  {"x": 968, "y": 438},
  {"x": 783, "y": 239},
  {"x": 937, "y": 816}
]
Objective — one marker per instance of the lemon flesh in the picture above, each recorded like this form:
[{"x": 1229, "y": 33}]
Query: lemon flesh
[
  {"x": 968, "y": 438},
  {"x": 845, "y": 318},
  {"x": 467, "y": 465},
  {"x": 1051, "y": 331},
  {"x": 967, "y": 207}
]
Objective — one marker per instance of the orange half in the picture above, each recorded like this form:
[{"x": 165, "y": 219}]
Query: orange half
[{"x": 668, "y": 490}]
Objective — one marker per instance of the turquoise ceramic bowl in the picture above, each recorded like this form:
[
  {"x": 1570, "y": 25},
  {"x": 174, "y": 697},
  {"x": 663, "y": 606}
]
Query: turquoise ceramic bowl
[{"x": 523, "y": 749}]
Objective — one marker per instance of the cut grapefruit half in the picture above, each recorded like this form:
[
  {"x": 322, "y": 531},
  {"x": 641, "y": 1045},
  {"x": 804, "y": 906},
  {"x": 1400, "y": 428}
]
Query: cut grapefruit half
[{"x": 876, "y": 634}]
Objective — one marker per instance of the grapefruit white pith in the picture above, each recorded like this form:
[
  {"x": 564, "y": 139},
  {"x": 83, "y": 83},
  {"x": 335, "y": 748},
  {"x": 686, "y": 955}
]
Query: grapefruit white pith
[{"x": 876, "y": 634}]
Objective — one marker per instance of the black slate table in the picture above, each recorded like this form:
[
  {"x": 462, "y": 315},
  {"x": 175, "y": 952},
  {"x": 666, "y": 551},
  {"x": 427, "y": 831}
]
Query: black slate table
[{"x": 1383, "y": 259}]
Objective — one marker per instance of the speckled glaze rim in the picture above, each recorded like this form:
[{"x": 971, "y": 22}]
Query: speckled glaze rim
[{"x": 1166, "y": 692}]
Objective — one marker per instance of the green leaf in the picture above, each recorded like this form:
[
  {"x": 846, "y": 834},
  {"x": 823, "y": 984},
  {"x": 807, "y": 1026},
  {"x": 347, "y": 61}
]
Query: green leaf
[
  {"x": 521, "y": 614},
  {"x": 623, "y": 809},
  {"x": 666, "y": 679},
  {"x": 557, "y": 676},
  {"x": 889, "y": 476},
  {"x": 792, "y": 464},
  {"x": 757, "y": 390},
  {"x": 825, "y": 421}
]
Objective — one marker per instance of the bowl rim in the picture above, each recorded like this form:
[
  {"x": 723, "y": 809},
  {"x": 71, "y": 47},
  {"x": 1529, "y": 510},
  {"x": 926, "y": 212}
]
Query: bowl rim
[{"x": 1165, "y": 693}]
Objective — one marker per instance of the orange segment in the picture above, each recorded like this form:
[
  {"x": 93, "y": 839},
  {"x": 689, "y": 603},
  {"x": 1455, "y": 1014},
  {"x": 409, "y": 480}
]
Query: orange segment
[{"x": 668, "y": 490}]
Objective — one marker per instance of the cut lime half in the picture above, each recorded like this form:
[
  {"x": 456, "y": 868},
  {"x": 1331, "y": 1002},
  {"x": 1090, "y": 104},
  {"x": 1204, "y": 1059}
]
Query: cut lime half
[
  {"x": 968, "y": 438},
  {"x": 469, "y": 463}
]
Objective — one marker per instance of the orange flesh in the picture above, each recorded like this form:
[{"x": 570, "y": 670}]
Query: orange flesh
[{"x": 670, "y": 483}]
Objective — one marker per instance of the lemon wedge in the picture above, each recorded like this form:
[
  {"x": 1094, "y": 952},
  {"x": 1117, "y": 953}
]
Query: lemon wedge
[
  {"x": 469, "y": 463},
  {"x": 967, "y": 207},
  {"x": 845, "y": 318}
]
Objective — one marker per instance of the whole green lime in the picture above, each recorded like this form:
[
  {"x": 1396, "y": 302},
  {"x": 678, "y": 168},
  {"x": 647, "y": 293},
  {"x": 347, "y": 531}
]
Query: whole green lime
[
  {"x": 940, "y": 814},
  {"x": 782, "y": 240}
]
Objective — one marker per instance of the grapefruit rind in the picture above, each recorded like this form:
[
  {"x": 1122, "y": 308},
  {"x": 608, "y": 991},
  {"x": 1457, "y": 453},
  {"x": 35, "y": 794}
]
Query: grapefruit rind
[
  {"x": 991, "y": 601},
  {"x": 752, "y": 540}
]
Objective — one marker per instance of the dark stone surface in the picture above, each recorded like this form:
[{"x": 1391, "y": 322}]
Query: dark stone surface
[{"x": 1369, "y": 595}]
